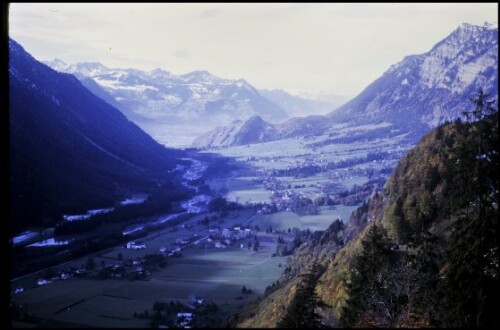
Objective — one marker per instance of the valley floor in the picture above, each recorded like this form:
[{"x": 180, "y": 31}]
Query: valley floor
[
  {"x": 217, "y": 274},
  {"x": 288, "y": 184}
]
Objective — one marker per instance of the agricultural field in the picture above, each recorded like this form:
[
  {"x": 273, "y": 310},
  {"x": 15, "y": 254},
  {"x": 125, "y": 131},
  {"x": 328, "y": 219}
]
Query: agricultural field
[
  {"x": 243, "y": 190},
  {"x": 201, "y": 270},
  {"x": 83, "y": 302},
  {"x": 284, "y": 220},
  {"x": 311, "y": 168}
]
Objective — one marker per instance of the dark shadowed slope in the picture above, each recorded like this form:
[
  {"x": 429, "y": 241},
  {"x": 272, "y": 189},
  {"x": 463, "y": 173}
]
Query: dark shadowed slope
[{"x": 70, "y": 150}]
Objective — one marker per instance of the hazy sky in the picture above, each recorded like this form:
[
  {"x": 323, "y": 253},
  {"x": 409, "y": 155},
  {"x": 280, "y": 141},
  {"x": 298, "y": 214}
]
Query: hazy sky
[{"x": 332, "y": 48}]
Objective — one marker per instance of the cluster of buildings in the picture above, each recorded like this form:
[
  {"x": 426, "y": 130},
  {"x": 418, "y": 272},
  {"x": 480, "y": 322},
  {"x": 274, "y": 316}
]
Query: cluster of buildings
[
  {"x": 170, "y": 253},
  {"x": 226, "y": 237},
  {"x": 288, "y": 200},
  {"x": 130, "y": 268},
  {"x": 185, "y": 319},
  {"x": 61, "y": 276}
]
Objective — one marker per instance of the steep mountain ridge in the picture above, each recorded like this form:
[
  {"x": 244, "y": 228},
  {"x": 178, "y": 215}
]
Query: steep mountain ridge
[
  {"x": 432, "y": 87},
  {"x": 70, "y": 150}
]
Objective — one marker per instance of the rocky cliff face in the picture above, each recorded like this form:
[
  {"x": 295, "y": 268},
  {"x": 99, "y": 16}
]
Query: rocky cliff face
[{"x": 432, "y": 87}]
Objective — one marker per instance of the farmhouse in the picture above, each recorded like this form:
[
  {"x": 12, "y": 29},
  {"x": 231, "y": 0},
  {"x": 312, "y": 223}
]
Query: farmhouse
[
  {"x": 133, "y": 245},
  {"x": 42, "y": 281}
]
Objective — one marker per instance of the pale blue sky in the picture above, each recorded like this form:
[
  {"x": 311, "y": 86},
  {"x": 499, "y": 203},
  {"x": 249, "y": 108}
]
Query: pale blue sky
[{"x": 333, "y": 48}]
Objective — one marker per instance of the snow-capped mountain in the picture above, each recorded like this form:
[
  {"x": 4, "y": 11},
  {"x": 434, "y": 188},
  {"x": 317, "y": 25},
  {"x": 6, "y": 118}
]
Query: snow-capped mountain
[
  {"x": 417, "y": 93},
  {"x": 196, "y": 99},
  {"x": 435, "y": 86}
]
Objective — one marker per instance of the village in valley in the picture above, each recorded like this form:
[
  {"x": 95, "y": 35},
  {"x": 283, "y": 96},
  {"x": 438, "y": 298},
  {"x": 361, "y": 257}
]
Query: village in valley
[{"x": 228, "y": 246}]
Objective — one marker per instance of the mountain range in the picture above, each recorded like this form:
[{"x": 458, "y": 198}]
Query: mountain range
[
  {"x": 53, "y": 114},
  {"x": 412, "y": 96},
  {"x": 69, "y": 149},
  {"x": 175, "y": 109}
]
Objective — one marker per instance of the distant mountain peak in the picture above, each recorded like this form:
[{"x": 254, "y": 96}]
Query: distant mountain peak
[
  {"x": 203, "y": 75},
  {"x": 241, "y": 83},
  {"x": 93, "y": 64},
  {"x": 55, "y": 63},
  {"x": 253, "y": 130},
  {"x": 491, "y": 25},
  {"x": 160, "y": 71},
  {"x": 255, "y": 119},
  {"x": 432, "y": 87},
  {"x": 469, "y": 26}
]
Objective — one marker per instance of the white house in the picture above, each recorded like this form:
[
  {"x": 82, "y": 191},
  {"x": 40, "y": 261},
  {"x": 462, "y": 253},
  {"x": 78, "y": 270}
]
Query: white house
[
  {"x": 65, "y": 276},
  {"x": 43, "y": 282},
  {"x": 132, "y": 245}
]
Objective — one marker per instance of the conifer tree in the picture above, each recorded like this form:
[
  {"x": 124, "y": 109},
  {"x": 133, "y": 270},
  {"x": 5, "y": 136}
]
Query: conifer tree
[
  {"x": 365, "y": 273},
  {"x": 470, "y": 290},
  {"x": 301, "y": 313}
]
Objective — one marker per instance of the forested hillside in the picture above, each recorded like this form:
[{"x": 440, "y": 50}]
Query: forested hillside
[{"x": 422, "y": 253}]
